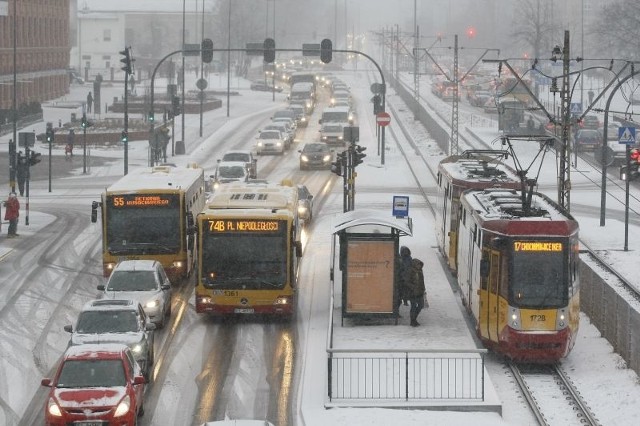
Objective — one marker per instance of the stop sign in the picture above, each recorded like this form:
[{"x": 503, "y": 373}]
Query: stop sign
[{"x": 383, "y": 118}]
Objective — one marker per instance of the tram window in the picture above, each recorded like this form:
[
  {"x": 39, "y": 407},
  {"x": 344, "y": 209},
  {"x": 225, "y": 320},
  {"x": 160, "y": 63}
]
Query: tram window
[
  {"x": 464, "y": 216},
  {"x": 475, "y": 233}
]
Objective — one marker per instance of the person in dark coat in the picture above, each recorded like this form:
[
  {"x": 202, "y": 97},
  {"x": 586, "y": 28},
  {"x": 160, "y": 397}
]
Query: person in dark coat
[
  {"x": 11, "y": 213},
  {"x": 416, "y": 290},
  {"x": 404, "y": 268}
]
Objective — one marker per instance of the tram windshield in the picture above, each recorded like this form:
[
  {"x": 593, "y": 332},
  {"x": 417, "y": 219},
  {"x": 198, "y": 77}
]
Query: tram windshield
[
  {"x": 538, "y": 275},
  {"x": 143, "y": 228},
  {"x": 244, "y": 261}
]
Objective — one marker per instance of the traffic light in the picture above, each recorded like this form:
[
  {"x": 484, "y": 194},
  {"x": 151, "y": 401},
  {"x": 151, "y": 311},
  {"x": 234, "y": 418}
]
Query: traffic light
[
  {"x": 126, "y": 61},
  {"x": 336, "y": 166},
  {"x": 377, "y": 104},
  {"x": 50, "y": 135},
  {"x": 175, "y": 106},
  {"x": 326, "y": 50},
  {"x": 124, "y": 137},
  {"x": 34, "y": 158},
  {"x": 151, "y": 117},
  {"x": 269, "y": 48},
  {"x": 83, "y": 121},
  {"x": 207, "y": 50},
  {"x": 358, "y": 155},
  {"x": 471, "y": 32}
]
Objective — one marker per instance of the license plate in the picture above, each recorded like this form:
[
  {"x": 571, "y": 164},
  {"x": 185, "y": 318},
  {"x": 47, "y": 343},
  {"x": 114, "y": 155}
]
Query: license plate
[
  {"x": 88, "y": 423},
  {"x": 243, "y": 310}
]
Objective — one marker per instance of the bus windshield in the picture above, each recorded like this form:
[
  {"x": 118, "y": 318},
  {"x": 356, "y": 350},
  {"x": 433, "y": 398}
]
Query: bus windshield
[
  {"x": 244, "y": 261},
  {"x": 539, "y": 277},
  {"x": 145, "y": 224}
]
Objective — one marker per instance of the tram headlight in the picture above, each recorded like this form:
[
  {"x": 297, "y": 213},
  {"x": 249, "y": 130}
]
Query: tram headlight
[
  {"x": 514, "y": 319},
  {"x": 561, "y": 319},
  {"x": 136, "y": 349},
  {"x": 177, "y": 264}
]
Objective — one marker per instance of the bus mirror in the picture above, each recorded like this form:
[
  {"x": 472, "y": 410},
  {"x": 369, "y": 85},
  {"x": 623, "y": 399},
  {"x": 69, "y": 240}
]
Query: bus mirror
[
  {"x": 484, "y": 268},
  {"x": 94, "y": 211},
  {"x": 191, "y": 229},
  {"x": 298, "y": 245}
]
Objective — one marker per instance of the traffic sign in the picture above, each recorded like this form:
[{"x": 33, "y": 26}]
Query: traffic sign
[
  {"x": 576, "y": 108},
  {"x": 383, "y": 118},
  {"x": 201, "y": 84},
  {"x": 377, "y": 88},
  {"x": 627, "y": 135},
  {"x": 400, "y": 206}
]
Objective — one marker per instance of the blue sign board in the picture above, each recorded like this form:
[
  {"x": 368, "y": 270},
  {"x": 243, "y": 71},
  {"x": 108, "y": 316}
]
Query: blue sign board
[
  {"x": 627, "y": 135},
  {"x": 576, "y": 108},
  {"x": 400, "y": 206}
]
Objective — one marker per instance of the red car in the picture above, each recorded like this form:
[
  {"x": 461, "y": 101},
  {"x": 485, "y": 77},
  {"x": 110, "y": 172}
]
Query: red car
[{"x": 95, "y": 385}]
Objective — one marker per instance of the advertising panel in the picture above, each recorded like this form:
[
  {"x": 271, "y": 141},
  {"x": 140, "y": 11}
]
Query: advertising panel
[{"x": 370, "y": 277}]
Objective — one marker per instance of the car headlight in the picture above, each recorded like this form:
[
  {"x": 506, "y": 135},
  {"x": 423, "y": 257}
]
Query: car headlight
[
  {"x": 302, "y": 209},
  {"x": 303, "y": 119},
  {"x": 340, "y": 138},
  {"x": 304, "y": 158},
  {"x": 324, "y": 138},
  {"x": 326, "y": 158},
  {"x": 259, "y": 144},
  {"x": 53, "y": 408},
  {"x": 124, "y": 407},
  {"x": 279, "y": 143},
  {"x": 216, "y": 185},
  {"x": 152, "y": 304}
]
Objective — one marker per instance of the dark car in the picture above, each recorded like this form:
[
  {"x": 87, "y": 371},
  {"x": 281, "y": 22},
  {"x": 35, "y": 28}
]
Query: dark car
[
  {"x": 587, "y": 139},
  {"x": 590, "y": 122},
  {"x": 305, "y": 204},
  {"x": 315, "y": 156}
]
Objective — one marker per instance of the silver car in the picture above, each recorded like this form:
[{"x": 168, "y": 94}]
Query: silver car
[
  {"x": 144, "y": 281},
  {"x": 116, "y": 321}
]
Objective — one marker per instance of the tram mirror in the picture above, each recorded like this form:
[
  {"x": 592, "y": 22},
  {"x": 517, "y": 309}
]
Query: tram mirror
[
  {"x": 484, "y": 268},
  {"x": 497, "y": 242}
]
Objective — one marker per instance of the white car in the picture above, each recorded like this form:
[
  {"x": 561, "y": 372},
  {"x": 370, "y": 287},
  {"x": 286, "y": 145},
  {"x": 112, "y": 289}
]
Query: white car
[
  {"x": 270, "y": 142},
  {"x": 227, "y": 172},
  {"x": 144, "y": 281}
]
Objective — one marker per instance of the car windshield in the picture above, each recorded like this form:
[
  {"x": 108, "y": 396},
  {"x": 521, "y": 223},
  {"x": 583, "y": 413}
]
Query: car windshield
[
  {"x": 316, "y": 147},
  {"x": 231, "y": 172},
  {"x": 92, "y": 373},
  {"x": 108, "y": 321},
  {"x": 588, "y": 134},
  {"x": 269, "y": 135},
  {"x": 332, "y": 129},
  {"x": 132, "y": 281},
  {"x": 236, "y": 156}
]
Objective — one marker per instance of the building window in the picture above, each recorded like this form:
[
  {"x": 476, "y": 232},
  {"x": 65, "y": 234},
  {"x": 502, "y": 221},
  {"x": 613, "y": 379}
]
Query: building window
[{"x": 106, "y": 35}]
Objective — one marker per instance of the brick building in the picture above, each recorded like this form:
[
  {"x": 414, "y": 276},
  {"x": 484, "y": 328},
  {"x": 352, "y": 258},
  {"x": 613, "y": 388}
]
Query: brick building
[{"x": 42, "y": 53}]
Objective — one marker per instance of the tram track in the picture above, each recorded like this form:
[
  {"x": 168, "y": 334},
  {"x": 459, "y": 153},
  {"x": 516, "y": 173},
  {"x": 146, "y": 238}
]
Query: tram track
[{"x": 550, "y": 394}]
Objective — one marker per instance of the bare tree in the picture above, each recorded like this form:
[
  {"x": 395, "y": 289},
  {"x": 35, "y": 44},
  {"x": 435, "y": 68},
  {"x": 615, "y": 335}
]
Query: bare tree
[
  {"x": 534, "y": 25},
  {"x": 616, "y": 32}
]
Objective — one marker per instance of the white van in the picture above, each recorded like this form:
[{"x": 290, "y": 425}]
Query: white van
[{"x": 337, "y": 115}]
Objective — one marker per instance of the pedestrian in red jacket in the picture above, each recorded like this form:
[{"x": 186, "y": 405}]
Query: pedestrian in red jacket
[{"x": 11, "y": 213}]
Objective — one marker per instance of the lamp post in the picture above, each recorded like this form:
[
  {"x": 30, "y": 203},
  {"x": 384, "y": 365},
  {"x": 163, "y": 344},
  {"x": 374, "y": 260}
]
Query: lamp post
[
  {"x": 14, "y": 109},
  {"x": 228, "y": 58},
  {"x": 184, "y": 32}
]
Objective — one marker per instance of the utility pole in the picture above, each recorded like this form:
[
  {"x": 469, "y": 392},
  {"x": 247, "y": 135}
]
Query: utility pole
[
  {"x": 564, "y": 174},
  {"x": 453, "y": 145}
]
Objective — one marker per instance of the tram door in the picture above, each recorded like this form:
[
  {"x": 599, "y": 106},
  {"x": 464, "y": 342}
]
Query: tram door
[{"x": 489, "y": 295}]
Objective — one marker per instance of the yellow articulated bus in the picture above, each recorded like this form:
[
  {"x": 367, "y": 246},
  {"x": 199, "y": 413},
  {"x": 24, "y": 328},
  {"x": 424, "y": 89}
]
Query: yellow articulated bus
[
  {"x": 150, "y": 214},
  {"x": 249, "y": 248}
]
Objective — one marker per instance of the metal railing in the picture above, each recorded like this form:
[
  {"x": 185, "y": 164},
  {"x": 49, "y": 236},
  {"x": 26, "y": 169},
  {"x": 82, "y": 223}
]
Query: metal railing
[{"x": 406, "y": 375}]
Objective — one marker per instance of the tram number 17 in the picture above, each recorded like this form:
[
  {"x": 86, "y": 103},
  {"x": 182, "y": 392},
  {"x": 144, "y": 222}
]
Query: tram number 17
[{"x": 538, "y": 318}]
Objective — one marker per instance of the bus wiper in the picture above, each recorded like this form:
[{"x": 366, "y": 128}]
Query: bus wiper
[
  {"x": 136, "y": 247},
  {"x": 269, "y": 283}
]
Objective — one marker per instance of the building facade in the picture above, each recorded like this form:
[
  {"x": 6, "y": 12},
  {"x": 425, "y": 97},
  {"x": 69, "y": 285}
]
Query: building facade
[{"x": 41, "y": 54}]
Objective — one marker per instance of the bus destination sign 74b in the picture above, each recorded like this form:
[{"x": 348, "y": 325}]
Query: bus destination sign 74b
[{"x": 243, "y": 225}]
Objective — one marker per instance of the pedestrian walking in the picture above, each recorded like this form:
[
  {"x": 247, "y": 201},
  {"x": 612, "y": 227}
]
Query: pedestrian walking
[
  {"x": 89, "y": 101},
  {"x": 11, "y": 213},
  {"x": 404, "y": 270},
  {"x": 417, "y": 291},
  {"x": 71, "y": 140}
]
